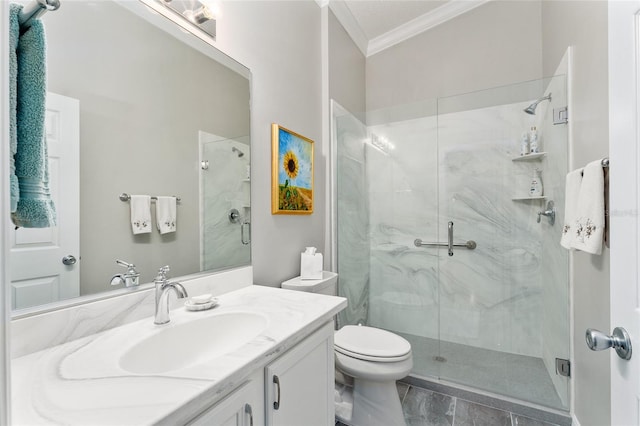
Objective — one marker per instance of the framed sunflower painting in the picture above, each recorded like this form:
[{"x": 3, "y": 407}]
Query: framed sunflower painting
[{"x": 292, "y": 172}]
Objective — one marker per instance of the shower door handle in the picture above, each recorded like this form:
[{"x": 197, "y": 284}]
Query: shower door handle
[
  {"x": 247, "y": 225},
  {"x": 471, "y": 245}
]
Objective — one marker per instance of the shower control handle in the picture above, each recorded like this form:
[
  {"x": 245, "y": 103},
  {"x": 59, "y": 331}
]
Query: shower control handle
[
  {"x": 619, "y": 340},
  {"x": 550, "y": 213},
  {"x": 450, "y": 236},
  {"x": 234, "y": 216}
]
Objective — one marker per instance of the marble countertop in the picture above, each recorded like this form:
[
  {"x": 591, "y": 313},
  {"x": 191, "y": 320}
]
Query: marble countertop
[{"x": 82, "y": 383}]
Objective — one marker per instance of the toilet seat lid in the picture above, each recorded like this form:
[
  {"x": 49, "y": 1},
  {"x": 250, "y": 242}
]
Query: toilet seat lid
[{"x": 371, "y": 343}]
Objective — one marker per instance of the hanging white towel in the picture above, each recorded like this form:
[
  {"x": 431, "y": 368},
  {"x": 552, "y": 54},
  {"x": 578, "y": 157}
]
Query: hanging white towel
[
  {"x": 166, "y": 214},
  {"x": 140, "y": 214},
  {"x": 572, "y": 192},
  {"x": 589, "y": 223}
]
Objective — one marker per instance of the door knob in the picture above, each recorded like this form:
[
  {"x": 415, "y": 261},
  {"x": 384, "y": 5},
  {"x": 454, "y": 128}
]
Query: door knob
[
  {"x": 619, "y": 340},
  {"x": 69, "y": 260}
]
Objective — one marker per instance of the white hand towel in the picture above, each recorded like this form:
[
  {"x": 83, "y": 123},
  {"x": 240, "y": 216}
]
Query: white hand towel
[
  {"x": 572, "y": 192},
  {"x": 140, "y": 214},
  {"x": 589, "y": 223},
  {"x": 166, "y": 214}
]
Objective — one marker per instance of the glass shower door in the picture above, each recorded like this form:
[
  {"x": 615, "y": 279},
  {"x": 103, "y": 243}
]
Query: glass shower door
[
  {"x": 496, "y": 301},
  {"x": 402, "y": 169}
]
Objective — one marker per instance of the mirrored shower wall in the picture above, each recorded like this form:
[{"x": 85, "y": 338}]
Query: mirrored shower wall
[{"x": 494, "y": 318}]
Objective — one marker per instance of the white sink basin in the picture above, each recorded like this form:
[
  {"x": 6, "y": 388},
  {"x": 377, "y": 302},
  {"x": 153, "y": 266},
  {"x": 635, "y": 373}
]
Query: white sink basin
[{"x": 190, "y": 343}]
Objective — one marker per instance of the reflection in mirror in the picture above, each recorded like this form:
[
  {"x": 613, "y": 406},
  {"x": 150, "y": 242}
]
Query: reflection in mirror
[
  {"x": 225, "y": 180},
  {"x": 133, "y": 108}
]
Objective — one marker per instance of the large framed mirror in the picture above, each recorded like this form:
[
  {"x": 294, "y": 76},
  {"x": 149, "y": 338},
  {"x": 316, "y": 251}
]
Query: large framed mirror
[{"x": 136, "y": 106}]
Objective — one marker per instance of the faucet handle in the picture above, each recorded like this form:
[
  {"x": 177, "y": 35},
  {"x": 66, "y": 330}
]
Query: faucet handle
[
  {"x": 130, "y": 279},
  {"x": 162, "y": 273},
  {"x": 129, "y": 266}
]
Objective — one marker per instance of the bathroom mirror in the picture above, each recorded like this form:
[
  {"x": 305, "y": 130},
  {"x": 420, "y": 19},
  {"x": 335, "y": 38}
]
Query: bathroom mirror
[{"x": 136, "y": 105}]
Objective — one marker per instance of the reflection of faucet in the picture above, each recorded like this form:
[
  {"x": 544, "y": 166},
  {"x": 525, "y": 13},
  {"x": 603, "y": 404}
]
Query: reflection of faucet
[
  {"x": 163, "y": 287},
  {"x": 130, "y": 279}
]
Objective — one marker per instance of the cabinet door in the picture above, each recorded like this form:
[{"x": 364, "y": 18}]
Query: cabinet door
[
  {"x": 300, "y": 384},
  {"x": 244, "y": 407}
]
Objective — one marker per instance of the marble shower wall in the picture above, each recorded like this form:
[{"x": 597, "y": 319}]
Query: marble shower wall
[{"x": 458, "y": 167}]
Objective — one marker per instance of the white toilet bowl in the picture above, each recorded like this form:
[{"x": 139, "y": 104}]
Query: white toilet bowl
[
  {"x": 375, "y": 359},
  {"x": 368, "y": 363}
]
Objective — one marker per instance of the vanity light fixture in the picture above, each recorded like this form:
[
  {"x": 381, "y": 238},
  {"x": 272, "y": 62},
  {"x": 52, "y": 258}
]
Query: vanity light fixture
[{"x": 202, "y": 13}]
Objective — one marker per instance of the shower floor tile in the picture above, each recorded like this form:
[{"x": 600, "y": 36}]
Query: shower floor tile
[{"x": 516, "y": 376}]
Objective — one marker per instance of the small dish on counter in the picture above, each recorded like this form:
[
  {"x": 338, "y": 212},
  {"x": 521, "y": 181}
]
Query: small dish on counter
[{"x": 190, "y": 305}]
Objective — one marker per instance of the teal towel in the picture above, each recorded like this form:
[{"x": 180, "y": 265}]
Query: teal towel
[
  {"x": 14, "y": 35},
  {"x": 35, "y": 208}
]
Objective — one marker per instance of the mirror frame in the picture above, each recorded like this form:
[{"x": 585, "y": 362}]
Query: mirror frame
[{"x": 183, "y": 30}]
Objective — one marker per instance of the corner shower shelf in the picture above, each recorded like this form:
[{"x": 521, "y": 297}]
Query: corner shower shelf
[
  {"x": 528, "y": 198},
  {"x": 530, "y": 157}
]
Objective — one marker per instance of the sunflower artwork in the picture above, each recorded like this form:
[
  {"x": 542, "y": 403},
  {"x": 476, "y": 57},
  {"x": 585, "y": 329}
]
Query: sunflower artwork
[{"x": 292, "y": 182}]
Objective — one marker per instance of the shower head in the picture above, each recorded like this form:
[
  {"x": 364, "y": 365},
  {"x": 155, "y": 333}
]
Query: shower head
[
  {"x": 531, "y": 109},
  {"x": 237, "y": 151}
]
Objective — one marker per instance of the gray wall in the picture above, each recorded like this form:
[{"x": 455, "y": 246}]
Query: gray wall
[
  {"x": 347, "y": 66},
  {"x": 493, "y": 45},
  {"x": 583, "y": 25},
  {"x": 280, "y": 41},
  {"x": 143, "y": 97}
]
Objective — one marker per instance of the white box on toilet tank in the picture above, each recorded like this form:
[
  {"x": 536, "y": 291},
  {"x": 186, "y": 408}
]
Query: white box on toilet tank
[{"x": 328, "y": 284}]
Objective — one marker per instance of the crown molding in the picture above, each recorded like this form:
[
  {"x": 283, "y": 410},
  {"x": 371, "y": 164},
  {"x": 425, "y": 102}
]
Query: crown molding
[
  {"x": 349, "y": 23},
  {"x": 419, "y": 25}
]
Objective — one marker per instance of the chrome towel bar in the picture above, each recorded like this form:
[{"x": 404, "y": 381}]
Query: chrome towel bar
[{"x": 124, "y": 197}]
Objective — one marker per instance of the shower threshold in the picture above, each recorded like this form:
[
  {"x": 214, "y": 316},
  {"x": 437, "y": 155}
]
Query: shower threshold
[{"x": 516, "y": 377}]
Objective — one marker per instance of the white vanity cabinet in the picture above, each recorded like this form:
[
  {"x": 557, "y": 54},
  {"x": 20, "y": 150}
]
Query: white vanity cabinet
[
  {"x": 243, "y": 407},
  {"x": 294, "y": 390},
  {"x": 300, "y": 384}
]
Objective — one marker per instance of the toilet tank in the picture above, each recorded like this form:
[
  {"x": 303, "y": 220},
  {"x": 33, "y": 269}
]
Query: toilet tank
[{"x": 327, "y": 285}]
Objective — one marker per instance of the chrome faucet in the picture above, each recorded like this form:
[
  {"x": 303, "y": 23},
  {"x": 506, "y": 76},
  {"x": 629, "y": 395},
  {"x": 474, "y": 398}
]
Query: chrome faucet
[
  {"x": 130, "y": 279},
  {"x": 163, "y": 287}
]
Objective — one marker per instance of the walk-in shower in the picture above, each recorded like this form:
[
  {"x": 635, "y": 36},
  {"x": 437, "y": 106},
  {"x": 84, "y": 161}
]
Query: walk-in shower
[{"x": 494, "y": 317}]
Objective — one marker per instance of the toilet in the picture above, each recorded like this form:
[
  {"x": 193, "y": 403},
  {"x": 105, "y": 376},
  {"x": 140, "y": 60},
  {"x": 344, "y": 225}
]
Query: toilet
[{"x": 368, "y": 362}]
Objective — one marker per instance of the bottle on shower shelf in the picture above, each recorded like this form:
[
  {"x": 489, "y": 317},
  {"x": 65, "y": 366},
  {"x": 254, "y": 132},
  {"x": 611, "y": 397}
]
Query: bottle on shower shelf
[
  {"x": 536, "y": 189},
  {"x": 524, "y": 144},
  {"x": 534, "y": 146}
]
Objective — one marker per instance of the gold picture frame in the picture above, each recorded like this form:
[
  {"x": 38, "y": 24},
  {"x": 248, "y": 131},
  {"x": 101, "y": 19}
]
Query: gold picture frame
[{"x": 291, "y": 171}]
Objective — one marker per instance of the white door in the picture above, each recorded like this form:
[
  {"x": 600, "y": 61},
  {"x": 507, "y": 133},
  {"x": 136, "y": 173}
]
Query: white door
[
  {"x": 624, "y": 51},
  {"x": 38, "y": 274}
]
